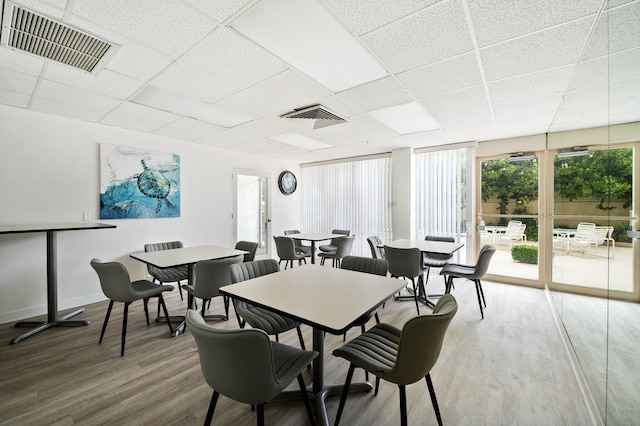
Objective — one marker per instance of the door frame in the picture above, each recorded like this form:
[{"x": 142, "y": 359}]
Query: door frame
[{"x": 267, "y": 226}]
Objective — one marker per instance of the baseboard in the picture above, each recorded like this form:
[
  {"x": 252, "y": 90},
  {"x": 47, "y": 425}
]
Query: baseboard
[{"x": 35, "y": 311}]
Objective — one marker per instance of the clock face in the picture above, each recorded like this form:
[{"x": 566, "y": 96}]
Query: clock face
[{"x": 287, "y": 182}]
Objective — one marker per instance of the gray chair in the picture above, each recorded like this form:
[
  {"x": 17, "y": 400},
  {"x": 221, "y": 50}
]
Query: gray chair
[
  {"x": 210, "y": 276},
  {"x": 167, "y": 275},
  {"x": 328, "y": 248},
  {"x": 287, "y": 252},
  {"x": 246, "y": 366},
  {"x": 343, "y": 248},
  {"x": 248, "y": 246},
  {"x": 375, "y": 243},
  {"x": 369, "y": 266},
  {"x": 470, "y": 272},
  {"x": 400, "y": 356},
  {"x": 270, "y": 322},
  {"x": 407, "y": 263},
  {"x": 436, "y": 260},
  {"x": 301, "y": 248},
  {"x": 117, "y": 286}
]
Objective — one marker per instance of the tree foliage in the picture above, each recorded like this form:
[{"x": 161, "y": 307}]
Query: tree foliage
[{"x": 510, "y": 181}]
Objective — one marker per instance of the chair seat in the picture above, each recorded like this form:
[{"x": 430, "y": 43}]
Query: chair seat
[
  {"x": 304, "y": 250},
  {"x": 375, "y": 351},
  {"x": 457, "y": 270},
  {"x": 328, "y": 248},
  {"x": 270, "y": 322},
  {"x": 431, "y": 262},
  {"x": 145, "y": 288},
  {"x": 289, "y": 361}
]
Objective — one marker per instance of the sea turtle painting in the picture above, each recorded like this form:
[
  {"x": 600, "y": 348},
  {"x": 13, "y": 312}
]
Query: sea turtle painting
[{"x": 154, "y": 184}]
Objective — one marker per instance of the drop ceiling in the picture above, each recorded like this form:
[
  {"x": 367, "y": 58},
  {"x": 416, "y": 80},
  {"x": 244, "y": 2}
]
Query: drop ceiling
[{"x": 482, "y": 69}]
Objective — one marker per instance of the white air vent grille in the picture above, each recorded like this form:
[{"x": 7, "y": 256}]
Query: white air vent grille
[
  {"x": 322, "y": 117},
  {"x": 34, "y": 33}
]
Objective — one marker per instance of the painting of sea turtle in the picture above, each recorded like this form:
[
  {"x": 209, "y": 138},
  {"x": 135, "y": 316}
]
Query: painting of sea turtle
[{"x": 138, "y": 183}]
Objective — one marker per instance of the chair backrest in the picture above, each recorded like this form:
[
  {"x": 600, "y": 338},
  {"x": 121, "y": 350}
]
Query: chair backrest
[
  {"x": 365, "y": 264},
  {"x": 344, "y": 246},
  {"x": 296, "y": 243},
  {"x": 374, "y": 244},
  {"x": 285, "y": 248},
  {"x": 248, "y": 270},
  {"x": 600, "y": 235},
  {"x": 344, "y": 232},
  {"x": 515, "y": 228},
  {"x": 484, "y": 258},
  {"x": 404, "y": 262},
  {"x": 213, "y": 274},
  {"x": 236, "y": 363},
  {"x": 248, "y": 246},
  {"x": 166, "y": 274},
  {"x": 584, "y": 231},
  {"x": 439, "y": 256},
  {"x": 114, "y": 280},
  {"x": 421, "y": 342}
]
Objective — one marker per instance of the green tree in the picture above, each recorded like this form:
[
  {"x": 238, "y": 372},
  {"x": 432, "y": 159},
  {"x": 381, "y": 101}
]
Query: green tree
[{"x": 510, "y": 181}]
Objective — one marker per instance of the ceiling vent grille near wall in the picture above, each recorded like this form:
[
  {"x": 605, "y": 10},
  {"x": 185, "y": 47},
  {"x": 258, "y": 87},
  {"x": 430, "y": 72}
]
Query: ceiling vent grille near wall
[
  {"x": 322, "y": 116},
  {"x": 34, "y": 33}
]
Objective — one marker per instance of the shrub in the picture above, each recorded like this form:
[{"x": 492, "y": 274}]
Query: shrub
[
  {"x": 620, "y": 233},
  {"x": 525, "y": 254}
]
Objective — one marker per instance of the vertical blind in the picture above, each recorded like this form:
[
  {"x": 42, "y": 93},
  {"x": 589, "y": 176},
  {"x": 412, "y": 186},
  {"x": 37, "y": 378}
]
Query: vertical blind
[
  {"x": 353, "y": 195},
  {"x": 440, "y": 198}
]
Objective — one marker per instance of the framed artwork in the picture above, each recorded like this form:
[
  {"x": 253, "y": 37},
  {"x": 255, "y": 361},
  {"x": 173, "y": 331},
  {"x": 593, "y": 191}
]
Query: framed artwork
[{"x": 136, "y": 184}]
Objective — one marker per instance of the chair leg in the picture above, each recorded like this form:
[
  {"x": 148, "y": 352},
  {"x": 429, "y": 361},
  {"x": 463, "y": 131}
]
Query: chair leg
[
  {"x": 212, "y": 408},
  {"x": 345, "y": 391},
  {"x": 377, "y": 385},
  {"x": 403, "y": 405},
  {"x": 375, "y": 315},
  {"x": 180, "y": 289},
  {"x": 225, "y": 299},
  {"x": 124, "y": 327},
  {"x": 166, "y": 312},
  {"x": 482, "y": 293},
  {"x": 479, "y": 301},
  {"x": 434, "y": 401},
  {"x": 415, "y": 294},
  {"x": 260, "y": 415},
  {"x": 146, "y": 309},
  {"x": 300, "y": 337},
  {"x": 106, "y": 320},
  {"x": 305, "y": 398}
]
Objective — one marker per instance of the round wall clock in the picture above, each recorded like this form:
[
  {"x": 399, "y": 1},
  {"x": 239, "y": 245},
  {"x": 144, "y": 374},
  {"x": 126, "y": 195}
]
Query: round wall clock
[{"x": 287, "y": 182}]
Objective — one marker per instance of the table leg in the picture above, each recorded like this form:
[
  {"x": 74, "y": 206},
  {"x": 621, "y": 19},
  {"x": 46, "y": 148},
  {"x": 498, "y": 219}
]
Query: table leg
[
  {"x": 52, "y": 299},
  {"x": 313, "y": 252},
  {"x": 180, "y": 329}
]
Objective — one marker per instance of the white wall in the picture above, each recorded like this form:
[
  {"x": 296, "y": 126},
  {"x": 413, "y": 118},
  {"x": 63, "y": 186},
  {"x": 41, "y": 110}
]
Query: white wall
[{"x": 49, "y": 173}]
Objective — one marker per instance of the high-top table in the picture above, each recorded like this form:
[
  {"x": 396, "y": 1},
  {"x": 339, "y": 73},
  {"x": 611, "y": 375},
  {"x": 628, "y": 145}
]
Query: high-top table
[
  {"x": 51, "y": 229},
  {"x": 313, "y": 238},
  {"x": 188, "y": 256},
  {"x": 328, "y": 299}
]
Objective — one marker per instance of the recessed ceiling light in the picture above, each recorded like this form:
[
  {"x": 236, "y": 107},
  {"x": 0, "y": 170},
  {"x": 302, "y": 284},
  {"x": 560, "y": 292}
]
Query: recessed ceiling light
[
  {"x": 406, "y": 118},
  {"x": 158, "y": 98},
  {"x": 304, "y": 34},
  {"x": 299, "y": 141}
]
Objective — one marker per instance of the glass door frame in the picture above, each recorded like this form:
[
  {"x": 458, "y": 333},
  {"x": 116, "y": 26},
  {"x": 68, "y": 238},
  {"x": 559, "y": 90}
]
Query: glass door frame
[{"x": 266, "y": 225}]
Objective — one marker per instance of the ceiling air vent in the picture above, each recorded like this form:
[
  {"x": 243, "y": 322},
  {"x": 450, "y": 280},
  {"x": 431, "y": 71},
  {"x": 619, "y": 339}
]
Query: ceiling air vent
[
  {"x": 34, "y": 33},
  {"x": 322, "y": 117}
]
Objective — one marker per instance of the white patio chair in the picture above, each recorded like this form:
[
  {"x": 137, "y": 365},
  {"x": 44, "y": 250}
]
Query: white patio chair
[
  {"x": 514, "y": 233},
  {"x": 581, "y": 241}
]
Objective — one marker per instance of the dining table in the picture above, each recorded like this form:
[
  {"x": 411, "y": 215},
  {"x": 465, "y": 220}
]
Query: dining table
[
  {"x": 425, "y": 246},
  {"x": 330, "y": 300},
  {"x": 185, "y": 256},
  {"x": 313, "y": 238},
  {"x": 51, "y": 230}
]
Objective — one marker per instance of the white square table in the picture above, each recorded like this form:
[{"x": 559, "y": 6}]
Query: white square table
[{"x": 327, "y": 299}]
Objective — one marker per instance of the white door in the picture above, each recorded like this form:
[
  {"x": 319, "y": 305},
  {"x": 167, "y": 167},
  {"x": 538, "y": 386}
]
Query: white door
[{"x": 251, "y": 208}]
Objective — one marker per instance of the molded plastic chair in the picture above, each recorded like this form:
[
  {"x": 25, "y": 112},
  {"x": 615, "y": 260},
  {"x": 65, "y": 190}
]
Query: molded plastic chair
[
  {"x": 328, "y": 248},
  {"x": 167, "y": 275},
  {"x": 249, "y": 246},
  {"x": 581, "y": 240},
  {"x": 343, "y": 248},
  {"x": 375, "y": 242},
  {"x": 246, "y": 366},
  {"x": 407, "y": 263},
  {"x": 210, "y": 276},
  {"x": 470, "y": 272},
  {"x": 287, "y": 253},
  {"x": 271, "y": 322},
  {"x": 301, "y": 248},
  {"x": 117, "y": 286},
  {"x": 436, "y": 260},
  {"x": 400, "y": 356}
]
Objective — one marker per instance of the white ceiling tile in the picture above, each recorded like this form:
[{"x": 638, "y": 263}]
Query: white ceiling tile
[
  {"x": 106, "y": 82},
  {"x": 167, "y": 26},
  {"x": 444, "y": 76},
  {"x": 340, "y": 107},
  {"x": 593, "y": 72},
  {"x": 376, "y": 95},
  {"x": 624, "y": 27},
  {"x": 472, "y": 117},
  {"x": 292, "y": 88},
  {"x": 219, "y": 10},
  {"x": 66, "y": 110},
  {"x": 430, "y": 35},
  {"x": 188, "y": 129},
  {"x": 144, "y": 113},
  {"x": 459, "y": 100},
  {"x": 530, "y": 112},
  {"x": 70, "y": 95},
  {"x": 537, "y": 51},
  {"x": 19, "y": 100},
  {"x": 499, "y": 20},
  {"x": 252, "y": 104},
  {"x": 17, "y": 82},
  {"x": 236, "y": 60},
  {"x": 531, "y": 85},
  {"x": 19, "y": 61},
  {"x": 194, "y": 83},
  {"x": 362, "y": 16},
  {"x": 128, "y": 123},
  {"x": 624, "y": 65},
  {"x": 137, "y": 61}
]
